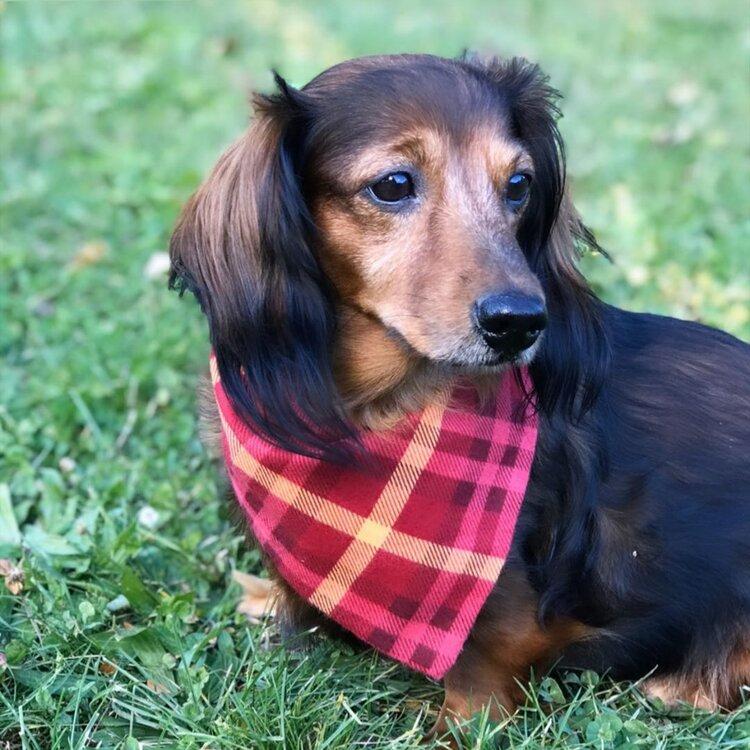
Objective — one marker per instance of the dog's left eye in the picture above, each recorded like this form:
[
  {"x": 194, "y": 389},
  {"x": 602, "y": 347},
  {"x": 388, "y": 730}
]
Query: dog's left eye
[
  {"x": 394, "y": 187},
  {"x": 517, "y": 189}
]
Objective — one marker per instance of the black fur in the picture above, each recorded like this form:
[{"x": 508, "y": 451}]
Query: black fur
[{"x": 637, "y": 519}]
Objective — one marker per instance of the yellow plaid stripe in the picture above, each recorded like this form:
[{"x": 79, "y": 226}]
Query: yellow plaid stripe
[{"x": 384, "y": 513}]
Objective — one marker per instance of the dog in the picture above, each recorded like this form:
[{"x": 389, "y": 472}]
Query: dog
[{"x": 402, "y": 221}]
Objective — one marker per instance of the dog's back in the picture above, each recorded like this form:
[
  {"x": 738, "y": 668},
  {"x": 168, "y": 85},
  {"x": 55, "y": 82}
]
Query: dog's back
[{"x": 663, "y": 567}]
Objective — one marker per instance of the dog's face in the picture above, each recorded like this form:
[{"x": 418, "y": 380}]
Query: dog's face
[
  {"x": 418, "y": 229},
  {"x": 416, "y": 193}
]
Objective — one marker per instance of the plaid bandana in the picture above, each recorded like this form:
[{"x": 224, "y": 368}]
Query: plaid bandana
[{"x": 403, "y": 551}]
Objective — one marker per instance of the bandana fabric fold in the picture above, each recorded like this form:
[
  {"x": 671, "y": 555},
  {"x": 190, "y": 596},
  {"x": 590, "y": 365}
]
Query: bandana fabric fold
[{"x": 403, "y": 550}]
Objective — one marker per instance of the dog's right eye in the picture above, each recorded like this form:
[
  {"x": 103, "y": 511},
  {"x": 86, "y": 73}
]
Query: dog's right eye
[{"x": 394, "y": 187}]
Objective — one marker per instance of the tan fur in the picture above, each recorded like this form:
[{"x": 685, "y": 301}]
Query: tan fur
[
  {"x": 379, "y": 380},
  {"x": 259, "y": 596},
  {"x": 718, "y": 688},
  {"x": 399, "y": 269},
  {"x": 507, "y": 642},
  {"x": 209, "y": 422}
]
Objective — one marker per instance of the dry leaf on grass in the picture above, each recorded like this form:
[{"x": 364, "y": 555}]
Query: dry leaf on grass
[
  {"x": 12, "y": 576},
  {"x": 88, "y": 255},
  {"x": 156, "y": 687},
  {"x": 258, "y": 598},
  {"x": 107, "y": 668}
]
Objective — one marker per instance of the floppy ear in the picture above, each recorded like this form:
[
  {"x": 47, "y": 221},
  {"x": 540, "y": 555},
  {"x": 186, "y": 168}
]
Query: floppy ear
[
  {"x": 576, "y": 353},
  {"x": 573, "y": 362},
  {"x": 244, "y": 247}
]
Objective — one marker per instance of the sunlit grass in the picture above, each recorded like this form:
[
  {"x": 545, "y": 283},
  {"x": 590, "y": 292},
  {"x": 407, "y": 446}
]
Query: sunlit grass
[{"x": 124, "y": 634}]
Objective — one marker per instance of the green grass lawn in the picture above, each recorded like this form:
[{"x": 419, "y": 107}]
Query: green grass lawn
[{"x": 124, "y": 632}]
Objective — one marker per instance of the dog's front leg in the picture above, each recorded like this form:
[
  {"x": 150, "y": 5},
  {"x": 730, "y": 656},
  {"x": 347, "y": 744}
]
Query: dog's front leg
[{"x": 506, "y": 642}]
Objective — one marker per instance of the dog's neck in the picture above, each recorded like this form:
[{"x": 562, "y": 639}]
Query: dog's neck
[{"x": 379, "y": 378}]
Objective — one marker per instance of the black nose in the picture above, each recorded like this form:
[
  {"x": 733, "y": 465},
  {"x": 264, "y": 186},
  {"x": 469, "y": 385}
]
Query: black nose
[{"x": 510, "y": 322}]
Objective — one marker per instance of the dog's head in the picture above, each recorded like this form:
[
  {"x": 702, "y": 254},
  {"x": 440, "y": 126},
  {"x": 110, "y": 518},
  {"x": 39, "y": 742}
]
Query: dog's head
[{"x": 405, "y": 211}]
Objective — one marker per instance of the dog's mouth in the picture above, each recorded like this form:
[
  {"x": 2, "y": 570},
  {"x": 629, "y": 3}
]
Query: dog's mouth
[
  {"x": 470, "y": 356},
  {"x": 493, "y": 360}
]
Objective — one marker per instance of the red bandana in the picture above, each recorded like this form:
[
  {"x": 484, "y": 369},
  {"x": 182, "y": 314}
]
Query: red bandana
[{"x": 402, "y": 553}]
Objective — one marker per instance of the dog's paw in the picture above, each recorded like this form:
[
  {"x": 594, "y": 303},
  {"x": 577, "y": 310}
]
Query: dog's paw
[{"x": 674, "y": 693}]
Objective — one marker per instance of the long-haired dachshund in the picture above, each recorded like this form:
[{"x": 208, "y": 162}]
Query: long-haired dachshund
[{"x": 404, "y": 220}]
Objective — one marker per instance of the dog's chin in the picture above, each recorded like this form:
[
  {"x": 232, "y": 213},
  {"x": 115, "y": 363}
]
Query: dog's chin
[{"x": 478, "y": 359}]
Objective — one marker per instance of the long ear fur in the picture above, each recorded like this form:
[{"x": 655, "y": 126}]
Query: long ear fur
[
  {"x": 573, "y": 363},
  {"x": 243, "y": 246},
  {"x": 575, "y": 357}
]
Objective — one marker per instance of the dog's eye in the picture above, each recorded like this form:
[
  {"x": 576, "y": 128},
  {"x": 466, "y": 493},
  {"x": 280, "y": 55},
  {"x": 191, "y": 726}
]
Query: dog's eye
[
  {"x": 518, "y": 189},
  {"x": 393, "y": 188}
]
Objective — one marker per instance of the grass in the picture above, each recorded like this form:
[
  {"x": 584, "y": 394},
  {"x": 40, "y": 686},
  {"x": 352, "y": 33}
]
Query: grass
[{"x": 124, "y": 633}]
